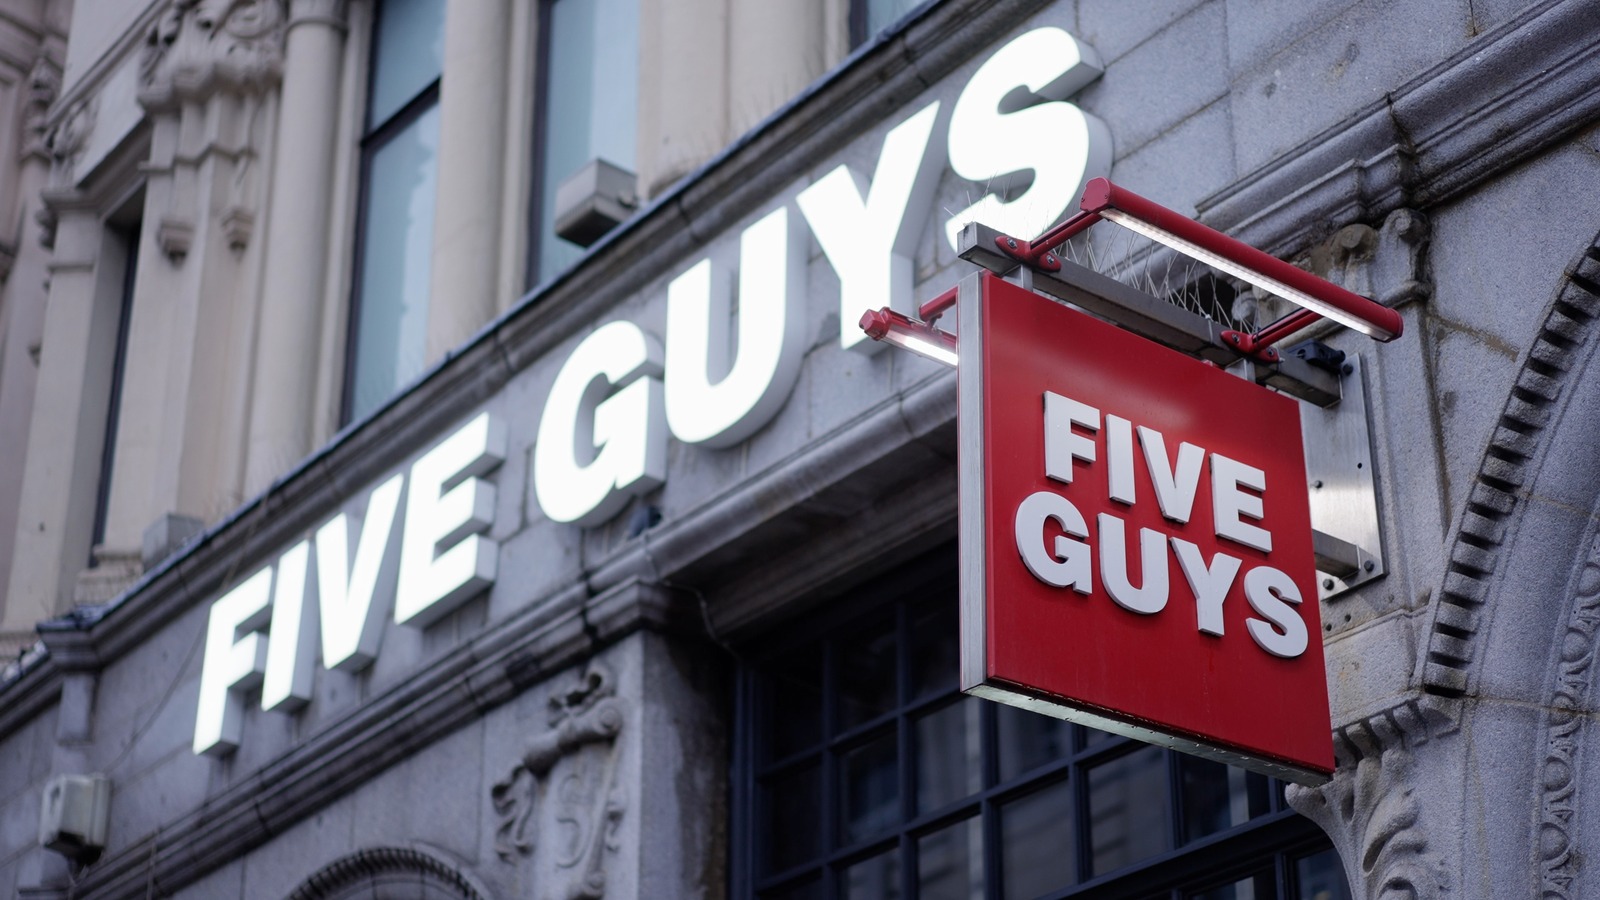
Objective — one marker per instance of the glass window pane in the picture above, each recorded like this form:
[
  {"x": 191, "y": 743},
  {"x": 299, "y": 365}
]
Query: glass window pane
[
  {"x": 866, "y": 664},
  {"x": 950, "y": 864},
  {"x": 935, "y": 649},
  {"x": 883, "y": 13},
  {"x": 874, "y": 878},
  {"x": 407, "y": 56},
  {"x": 1029, "y": 740},
  {"x": 805, "y": 890},
  {"x": 1320, "y": 876},
  {"x": 1093, "y": 737},
  {"x": 869, "y": 788},
  {"x": 1127, "y": 809},
  {"x": 1256, "y": 887},
  {"x": 949, "y": 760},
  {"x": 396, "y": 261},
  {"x": 794, "y": 703},
  {"x": 1036, "y": 850},
  {"x": 591, "y": 104},
  {"x": 1218, "y": 797},
  {"x": 793, "y": 827}
]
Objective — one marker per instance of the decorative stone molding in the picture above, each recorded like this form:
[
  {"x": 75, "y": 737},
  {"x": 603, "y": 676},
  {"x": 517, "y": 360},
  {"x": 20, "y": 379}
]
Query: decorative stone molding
[
  {"x": 322, "y": 12},
  {"x": 44, "y": 83},
  {"x": 423, "y": 874},
  {"x": 175, "y": 235},
  {"x": 67, "y": 138},
  {"x": 237, "y": 225},
  {"x": 1370, "y": 809},
  {"x": 1452, "y": 643},
  {"x": 1563, "y": 739},
  {"x": 198, "y": 47},
  {"x": 583, "y": 797},
  {"x": 1388, "y": 264},
  {"x": 1456, "y": 125}
]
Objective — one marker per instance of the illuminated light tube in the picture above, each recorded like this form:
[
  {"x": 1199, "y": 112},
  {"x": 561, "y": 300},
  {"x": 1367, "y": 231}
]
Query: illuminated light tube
[
  {"x": 907, "y": 333},
  {"x": 1240, "y": 260}
]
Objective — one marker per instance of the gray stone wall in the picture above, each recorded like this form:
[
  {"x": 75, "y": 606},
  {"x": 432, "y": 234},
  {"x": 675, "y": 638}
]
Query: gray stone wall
[{"x": 1267, "y": 119}]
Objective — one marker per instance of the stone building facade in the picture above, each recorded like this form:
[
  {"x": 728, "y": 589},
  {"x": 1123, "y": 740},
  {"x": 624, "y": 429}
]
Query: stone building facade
[{"x": 367, "y": 538}]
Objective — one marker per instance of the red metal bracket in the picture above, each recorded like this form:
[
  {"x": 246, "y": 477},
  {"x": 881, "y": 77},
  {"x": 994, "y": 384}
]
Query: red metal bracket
[{"x": 1317, "y": 297}]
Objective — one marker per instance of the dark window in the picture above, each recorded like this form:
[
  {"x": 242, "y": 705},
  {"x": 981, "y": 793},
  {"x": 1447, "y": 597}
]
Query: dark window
[
  {"x": 588, "y": 109},
  {"x": 870, "y": 17},
  {"x": 861, "y": 771},
  {"x": 399, "y": 168},
  {"x": 123, "y": 232}
]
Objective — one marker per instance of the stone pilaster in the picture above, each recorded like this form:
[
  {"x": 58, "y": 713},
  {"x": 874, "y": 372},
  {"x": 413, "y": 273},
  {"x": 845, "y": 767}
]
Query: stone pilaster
[
  {"x": 207, "y": 84},
  {"x": 472, "y": 124},
  {"x": 281, "y": 415}
]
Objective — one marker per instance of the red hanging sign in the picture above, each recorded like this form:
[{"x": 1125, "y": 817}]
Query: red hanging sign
[{"x": 1136, "y": 539}]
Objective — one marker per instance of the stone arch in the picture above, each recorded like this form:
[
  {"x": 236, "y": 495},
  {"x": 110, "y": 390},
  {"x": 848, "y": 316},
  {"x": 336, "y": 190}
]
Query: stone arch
[
  {"x": 382, "y": 873},
  {"x": 1513, "y": 461},
  {"x": 1517, "y": 617}
]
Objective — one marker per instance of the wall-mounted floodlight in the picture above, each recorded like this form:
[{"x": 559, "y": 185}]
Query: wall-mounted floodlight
[
  {"x": 1104, "y": 200},
  {"x": 907, "y": 333}
]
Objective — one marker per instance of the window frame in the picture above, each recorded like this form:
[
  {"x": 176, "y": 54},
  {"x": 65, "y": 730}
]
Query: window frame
[
  {"x": 374, "y": 137},
  {"x": 534, "y": 250},
  {"x": 1273, "y": 840}
]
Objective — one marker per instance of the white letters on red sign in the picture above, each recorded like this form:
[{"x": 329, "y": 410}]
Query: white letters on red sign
[{"x": 1237, "y": 491}]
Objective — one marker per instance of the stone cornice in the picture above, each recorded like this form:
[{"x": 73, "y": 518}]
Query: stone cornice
[
  {"x": 93, "y": 78},
  {"x": 1505, "y": 97}
]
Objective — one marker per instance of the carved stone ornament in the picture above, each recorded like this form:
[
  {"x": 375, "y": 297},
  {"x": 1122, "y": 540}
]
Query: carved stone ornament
[
  {"x": 563, "y": 792},
  {"x": 1388, "y": 264},
  {"x": 66, "y": 140},
  {"x": 1563, "y": 740},
  {"x": 1371, "y": 812},
  {"x": 44, "y": 83},
  {"x": 175, "y": 235},
  {"x": 199, "y": 46}
]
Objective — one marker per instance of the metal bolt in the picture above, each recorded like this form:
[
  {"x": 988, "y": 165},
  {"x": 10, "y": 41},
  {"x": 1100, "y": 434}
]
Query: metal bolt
[
  {"x": 1012, "y": 243},
  {"x": 1327, "y": 584},
  {"x": 1348, "y": 368},
  {"x": 1370, "y": 565},
  {"x": 1317, "y": 484}
]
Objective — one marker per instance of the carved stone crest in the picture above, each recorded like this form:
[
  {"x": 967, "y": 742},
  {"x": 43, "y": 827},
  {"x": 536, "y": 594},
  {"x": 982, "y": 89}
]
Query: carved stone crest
[
  {"x": 197, "y": 46},
  {"x": 562, "y": 797}
]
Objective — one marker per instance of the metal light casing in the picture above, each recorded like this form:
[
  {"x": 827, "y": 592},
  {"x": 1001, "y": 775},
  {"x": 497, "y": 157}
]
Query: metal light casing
[
  {"x": 907, "y": 333},
  {"x": 1156, "y": 222}
]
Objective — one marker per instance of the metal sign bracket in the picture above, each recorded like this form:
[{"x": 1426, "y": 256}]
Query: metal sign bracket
[{"x": 1346, "y": 536}]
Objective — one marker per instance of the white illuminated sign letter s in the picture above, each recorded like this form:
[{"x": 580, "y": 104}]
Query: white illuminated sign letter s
[{"x": 1060, "y": 143}]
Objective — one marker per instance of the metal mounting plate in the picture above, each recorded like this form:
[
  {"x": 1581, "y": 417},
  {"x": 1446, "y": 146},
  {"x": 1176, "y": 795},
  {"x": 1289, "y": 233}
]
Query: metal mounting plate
[{"x": 1344, "y": 497}]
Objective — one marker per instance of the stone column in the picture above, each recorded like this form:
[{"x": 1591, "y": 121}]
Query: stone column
[
  {"x": 284, "y": 386},
  {"x": 24, "y": 280},
  {"x": 683, "y": 88},
  {"x": 472, "y": 122},
  {"x": 67, "y": 432}
]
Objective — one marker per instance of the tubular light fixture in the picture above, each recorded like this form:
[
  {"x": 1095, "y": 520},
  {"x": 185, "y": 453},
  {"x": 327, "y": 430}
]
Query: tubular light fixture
[
  {"x": 1102, "y": 198},
  {"x": 907, "y": 333}
]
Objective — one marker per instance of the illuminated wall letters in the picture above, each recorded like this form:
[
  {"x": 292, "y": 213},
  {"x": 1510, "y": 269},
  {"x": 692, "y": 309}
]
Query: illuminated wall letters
[
  {"x": 235, "y": 657},
  {"x": 612, "y": 380},
  {"x": 444, "y": 558},
  {"x": 869, "y": 233},
  {"x": 772, "y": 339}
]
